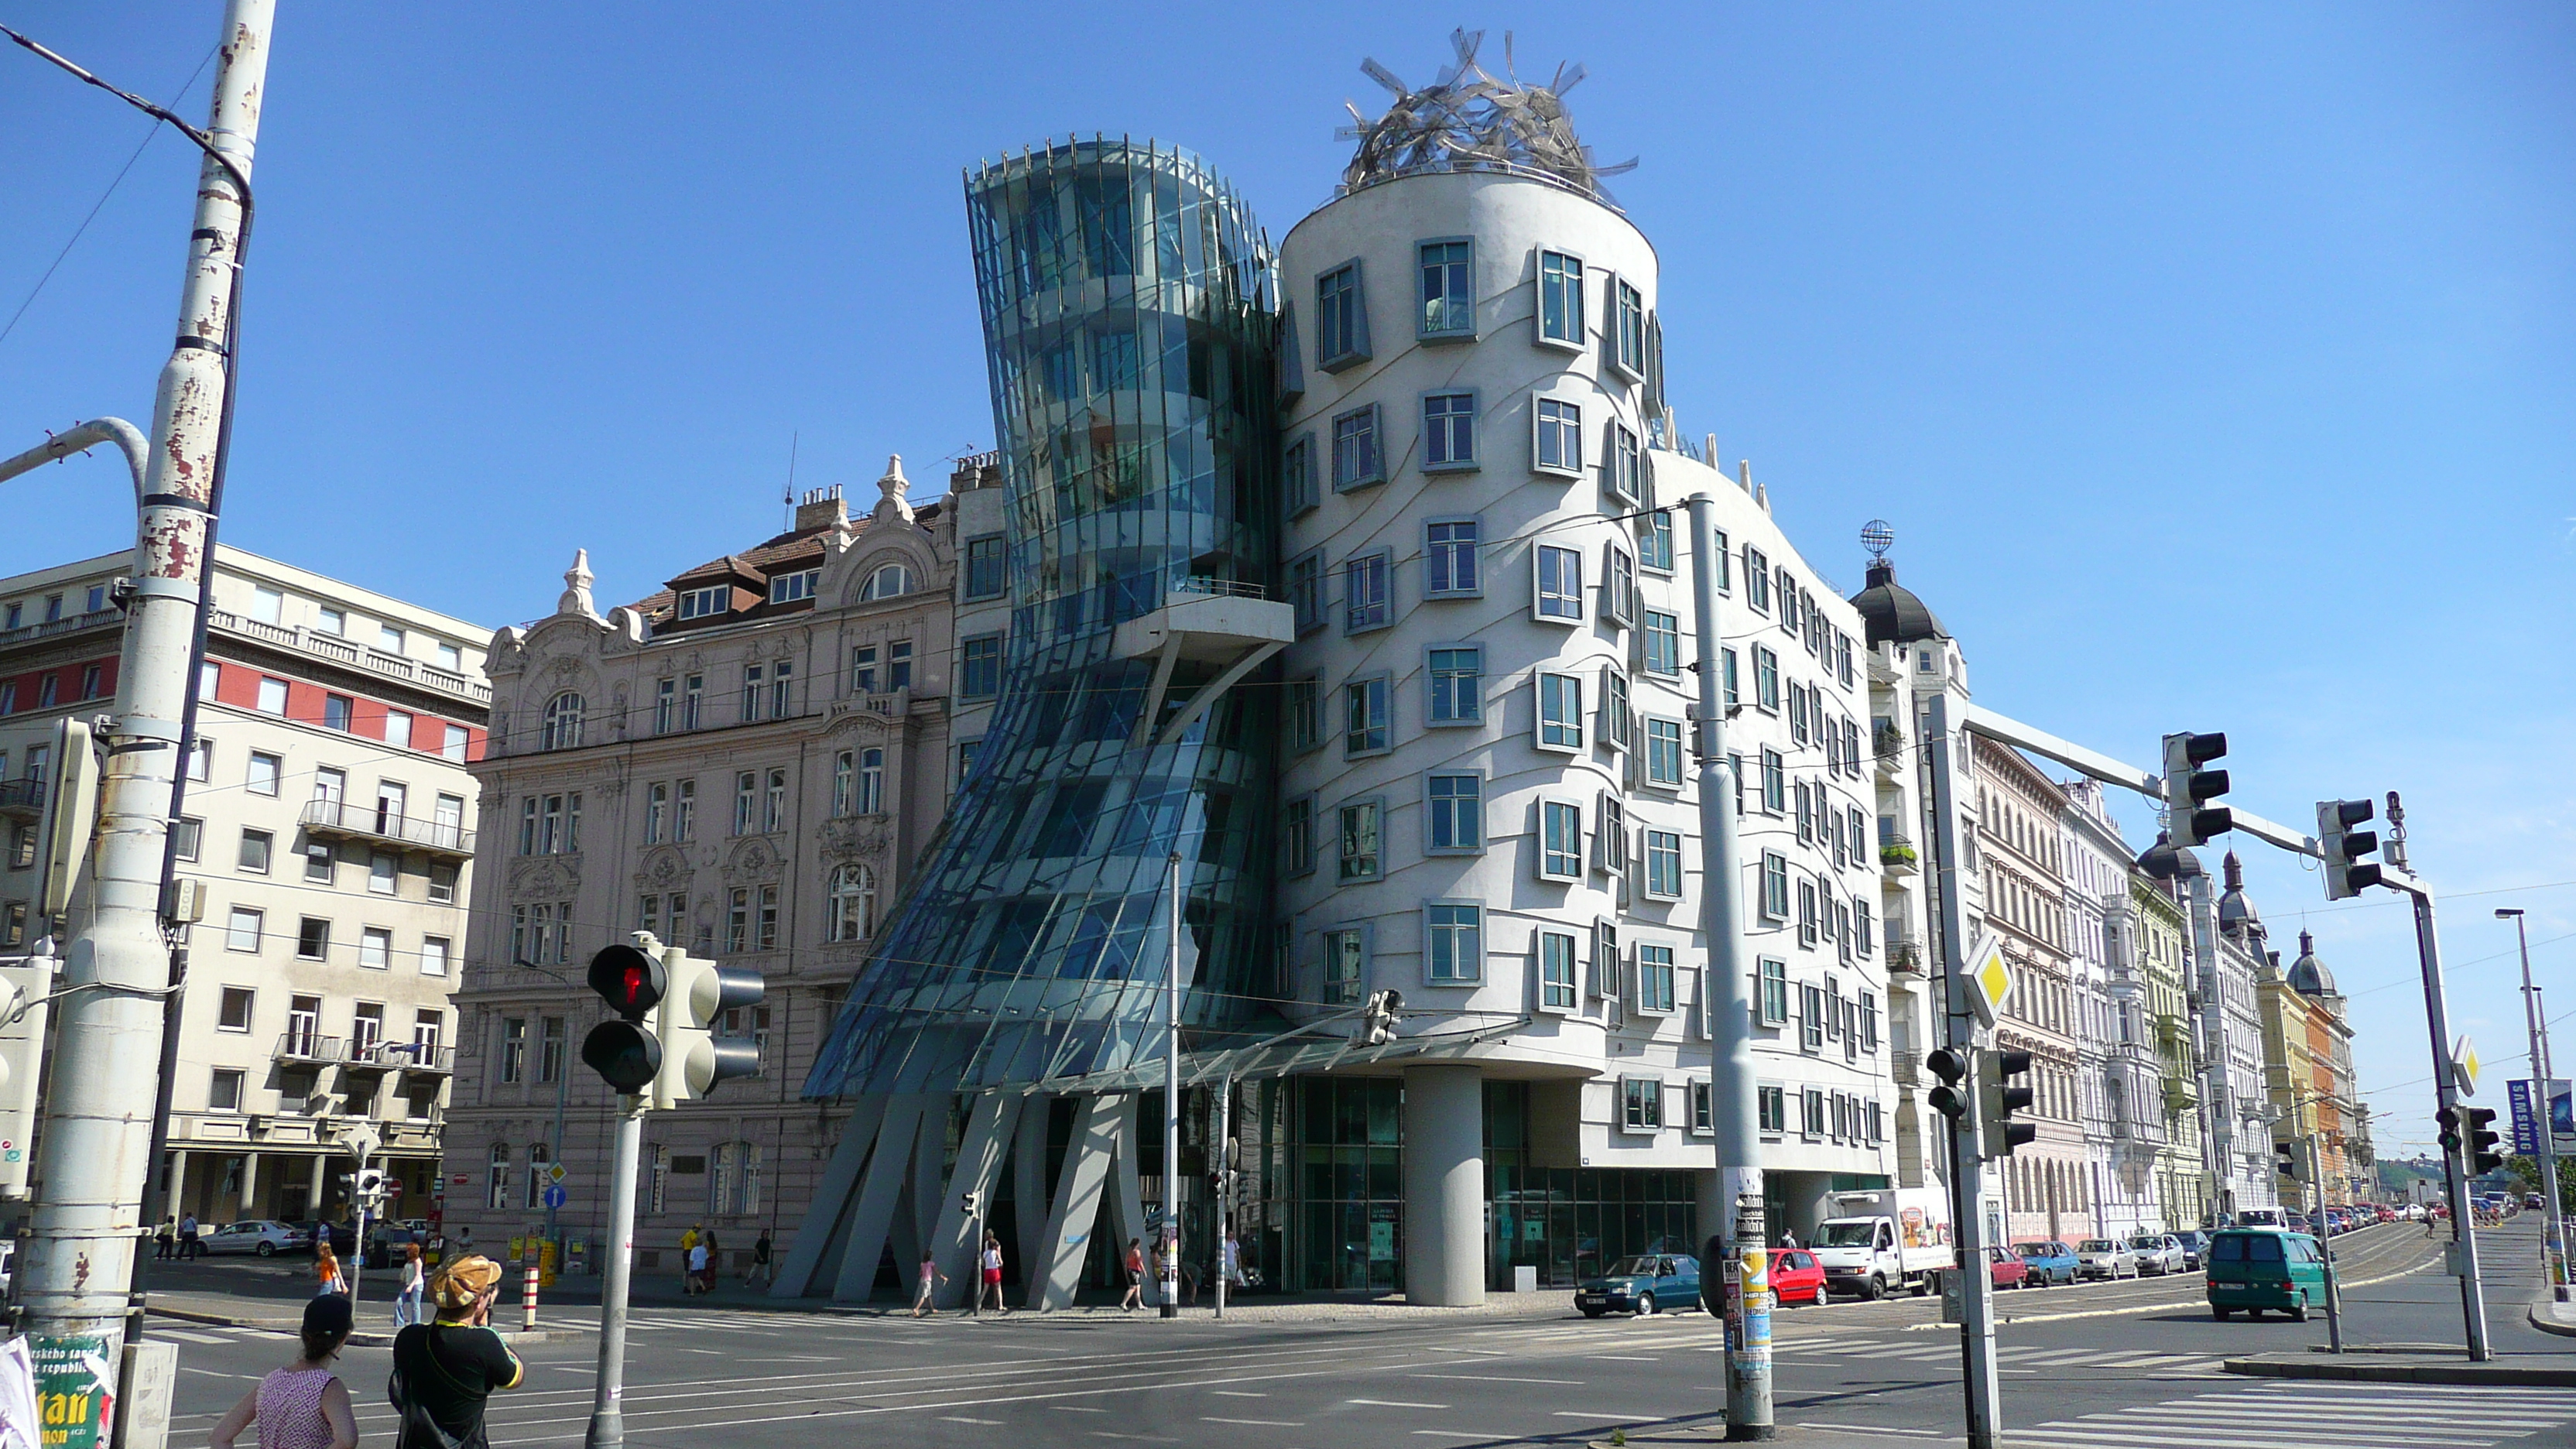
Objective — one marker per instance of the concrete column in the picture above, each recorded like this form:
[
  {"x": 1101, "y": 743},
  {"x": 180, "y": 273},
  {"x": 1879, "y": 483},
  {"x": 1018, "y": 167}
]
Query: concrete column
[
  {"x": 1444, "y": 1186},
  {"x": 250, "y": 1185},
  {"x": 176, "y": 1200}
]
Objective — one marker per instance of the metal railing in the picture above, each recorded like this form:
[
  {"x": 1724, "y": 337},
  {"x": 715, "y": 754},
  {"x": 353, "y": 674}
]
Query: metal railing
[
  {"x": 1212, "y": 586},
  {"x": 22, "y": 795},
  {"x": 1905, "y": 1067},
  {"x": 350, "y": 817},
  {"x": 1903, "y": 956},
  {"x": 307, "y": 1046}
]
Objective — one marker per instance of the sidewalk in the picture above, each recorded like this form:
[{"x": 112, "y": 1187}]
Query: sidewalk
[
  {"x": 2409, "y": 1368},
  {"x": 2550, "y": 1316}
]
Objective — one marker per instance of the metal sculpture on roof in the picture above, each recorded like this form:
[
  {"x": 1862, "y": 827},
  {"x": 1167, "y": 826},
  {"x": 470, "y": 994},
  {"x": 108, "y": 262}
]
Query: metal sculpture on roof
[{"x": 1468, "y": 120}]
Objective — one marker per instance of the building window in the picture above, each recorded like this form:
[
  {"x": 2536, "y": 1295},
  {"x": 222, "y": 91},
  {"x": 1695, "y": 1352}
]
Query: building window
[
  {"x": 774, "y": 803},
  {"x": 1341, "y": 318},
  {"x": 1560, "y": 846},
  {"x": 980, "y": 673},
  {"x": 738, "y": 920},
  {"x": 1617, "y": 726},
  {"x": 768, "y": 920},
  {"x": 753, "y": 676},
  {"x": 1757, "y": 580},
  {"x": 789, "y": 588},
  {"x": 1664, "y": 752},
  {"x": 1628, "y": 329},
  {"x": 313, "y": 938},
  {"x": 1357, "y": 461},
  {"x": 888, "y": 581},
  {"x": 898, "y": 665},
  {"x": 1641, "y": 1104},
  {"x": 1298, "y": 816},
  {"x": 1559, "y": 447},
  {"x": 267, "y": 605},
  {"x": 1449, "y": 430},
  {"x": 563, "y": 718},
  {"x": 684, "y": 809},
  {"x": 657, "y": 811},
  {"x": 1560, "y": 712},
  {"x": 746, "y": 801},
  {"x": 398, "y": 729},
  {"x": 693, "y": 693},
  {"x": 1560, "y": 298},
  {"x": 434, "y": 953},
  {"x": 384, "y": 873},
  {"x": 854, "y": 903},
  {"x": 1811, "y": 1017},
  {"x": 1448, "y": 289},
  {"x": 201, "y": 758},
  {"x": 1449, "y": 559},
  {"x": 1555, "y": 971},
  {"x": 1305, "y": 713},
  {"x": 253, "y": 855},
  {"x": 984, "y": 578},
  {"x": 450, "y": 657},
  {"x": 1612, "y": 835},
  {"x": 224, "y": 1090},
  {"x": 1367, "y": 590},
  {"x": 376, "y": 948},
  {"x": 1655, "y": 543},
  {"x": 782, "y": 688},
  {"x": 1306, "y": 591},
  {"x": 1772, "y": 996},
  {"x": 1457, "y": 809},
  {"x": 1703, "y": 1109},
  {"x": 1297, "y": 475},
  {"x": 1775, "y": 885},
  {"x": 1812, "y": 1114},
  {"x": 1360, "y": 841},
  {"x": 234, "y": 1014},
  {"x": 1619, "y": 586},
  {"x": 1345, "y": 966},
  {"x": 1664, "y": 864},
  {"x": 863, "y": 669},
  {"x": 1366, "y": 729},
  {"x": 1457, "y": 678},
  {"x": 1806, "y": 913},
  {"x": 1559, "y": 583},
  {"x": 264, "y": 772},
  {"x": 1775, "y": 786},
  {"x": 1623, "y": 465},
  {"x": 1766, "y": 679},
  {"x": 189, "y": 836},
  {"x": 1663, "y": 642},
  {"x": 1656, "y": 987},
  {"x": 1454, "y": 942},
  {"x": 1771, "y": 1108}
]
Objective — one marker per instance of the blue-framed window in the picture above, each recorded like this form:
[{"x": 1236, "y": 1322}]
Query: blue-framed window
[
  {"x": 1297, "y": 475},
  {"x": 1560, "y": 298},
  {"x": 1341, "y": 318},
  {"x": 1455, "y": 803},
  {"x": 1358, "y": 460},
  {"x": 984, "y": 576},
  {"x": 1449, "y": 430},
  {"x": 979, "y": 671},
  {"x": 1457, "y": 678},
  {"x": 1558, "y": 447},
  {"x": 1367, "y": 727},
  {"x": 1447, "y": 289},
  {"x": 1453, "y": 942},
  {"x": 1449, "y": 563},
  {"x": 1663, "y": 642},
  {"x": 1368, "y": 592},
  {"x": 1306, "y": 591}
]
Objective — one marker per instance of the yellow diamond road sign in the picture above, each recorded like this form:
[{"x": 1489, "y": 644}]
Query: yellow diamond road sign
[
  {"x": 2464, "y": 1067},
  {"x": 556, "y": 1173},
  {"x": 1990, "y": 979}
]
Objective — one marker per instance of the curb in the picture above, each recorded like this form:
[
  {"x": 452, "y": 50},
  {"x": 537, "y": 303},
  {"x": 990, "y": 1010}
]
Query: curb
[
  {"x": 2542, "y": 1314},
  {"x": 2401, "y": 1373},
  {"x": 362, "y": 1338}
]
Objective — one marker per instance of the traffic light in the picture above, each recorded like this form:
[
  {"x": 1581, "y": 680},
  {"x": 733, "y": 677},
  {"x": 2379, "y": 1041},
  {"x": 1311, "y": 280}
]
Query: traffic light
[
  {"x": 1998, "y": 1102},
  {"x": 2483, "y": 1158},
  {"x": 973, "y": 1203},
  {"x": 694, "y": 1058},
  {"x": 371, "y": 1186},
  {"x": 625, "y": 1051},
  {"x": 1378, "y": 1018},
  {"x": 2347, "y": 874},
  {"x": 2188, "y": 788},
  {"x": 2289, "y": 1158},
  {"x": 1948, "y": 1099}
]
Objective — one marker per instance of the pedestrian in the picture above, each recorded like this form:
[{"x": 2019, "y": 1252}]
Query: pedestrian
[
  {"x": 694, "y": 1280},
  {"x": 165, "y": 1240},
  {"x": 1788, "y": 1237},
  {"x": 303, "y": 1405},
  {"x": 688, "y": 1245},
  {"x": 992, "y": 1265},
  {"x": 326, "y": 1267},
  {"x": 1230, "y": 1261},
  {"x": 1135, "y": 1263},
  {"x": 445, "y": 1370},
  {"x": 188, "y": 1247},
  {"x": 760, "y": 1262},
  {"x": 922, "y": 1297},
  {"x": 414, "y": 1281},
  {"x": 715, "y": 1263}
]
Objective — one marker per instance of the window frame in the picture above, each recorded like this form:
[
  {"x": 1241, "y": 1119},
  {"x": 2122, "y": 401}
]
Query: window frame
[
  {"x": 1771, "y": 904},
  {"x": 1618, "y": 586},
  {"x": 1546, "y": 604},
  {"x": 1375, "y": 434},
  {"x": 1295, "y": 811},
  {"x": 1640, "y": 1099},
  {"x": 1668, "y": 980},
  {"x": 1355, "y": 345},
  {"x": 1654, "y": 749},
  {"x": 1298, "y": 493},
  {"x": 1362, "y": 936},
  {"x": 1623, "y": 463},
  {"x": 1646, "y": 884},
  {"x": 1436, "y": 807},
  {"x": 1446, "y": 430},
  {"x": 1446, "y": 552},
  {"x": 1542, "y": 724},
  {"x": 1342, "y": 858},
  {"x": 1380, "y": 684},
  {"x": 1626, "y": 327},
  {"x": 1433, "y": 676},
  {"x": 1664, "y": 641},
  {"x": 1567, "y": 426},
  {"x": 1770, "y": 974},
  {"x": 1541, "y": 952},
  {"x": 967, "y": 562},
  {"x": 1423, "y": 331},
  {"x": 1379, "y": 562},
  {"x": 1570, "y": 294},
  {"x": 1474, "y": 974},
  {"x": 967, "y": 664},
  {"x": 1308, "y": 608},
  {"x": 1549, "y": 863}
]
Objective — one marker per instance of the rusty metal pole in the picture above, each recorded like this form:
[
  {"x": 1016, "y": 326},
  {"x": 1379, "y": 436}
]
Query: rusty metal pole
[{"x": 95, "y": 1155}]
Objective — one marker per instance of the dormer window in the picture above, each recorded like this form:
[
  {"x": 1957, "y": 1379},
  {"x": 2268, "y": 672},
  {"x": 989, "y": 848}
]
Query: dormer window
[
  {"x": 788, "y": 588},
  {"x": 705, "y": 603},
  {"x": 888, "y": 581}
]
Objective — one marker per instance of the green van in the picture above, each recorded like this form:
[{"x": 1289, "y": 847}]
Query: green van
[{"x": 2259, "y": 1268}]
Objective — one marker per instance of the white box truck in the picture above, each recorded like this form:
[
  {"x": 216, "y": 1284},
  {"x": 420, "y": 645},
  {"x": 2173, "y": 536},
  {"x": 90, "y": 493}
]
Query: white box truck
[{"x": 1885, "y": 1239}]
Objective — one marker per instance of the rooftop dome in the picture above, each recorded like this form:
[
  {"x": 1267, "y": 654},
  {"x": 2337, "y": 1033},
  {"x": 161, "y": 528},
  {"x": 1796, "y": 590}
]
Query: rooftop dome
[
  {"x": 1468, "y": 119},
  {"x": 1890, "y": 613},
  {"x": 2308, "y": 975},
  {"x": 2164, "y": 861},
  {"x": 2236, "y": 913}
]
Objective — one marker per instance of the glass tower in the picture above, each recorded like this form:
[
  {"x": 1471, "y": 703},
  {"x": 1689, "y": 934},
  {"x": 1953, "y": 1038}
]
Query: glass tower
[{"x": 1130, "y": 316}]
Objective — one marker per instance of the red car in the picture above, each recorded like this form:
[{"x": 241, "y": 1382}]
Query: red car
[
  {"x": 1796, "y": 1277},
  {"x": 2008, "y": 1269}
]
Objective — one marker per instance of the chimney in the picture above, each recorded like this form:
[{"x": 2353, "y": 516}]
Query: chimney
[{"x": 820, "y": 508}]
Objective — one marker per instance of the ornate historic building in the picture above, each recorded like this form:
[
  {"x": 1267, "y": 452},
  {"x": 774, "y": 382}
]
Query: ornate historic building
[{"x": 746, "y": 763}]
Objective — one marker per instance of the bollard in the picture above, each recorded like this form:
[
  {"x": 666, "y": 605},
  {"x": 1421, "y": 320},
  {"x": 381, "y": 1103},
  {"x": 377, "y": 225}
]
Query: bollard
[{"x": 528, "y": 1298}]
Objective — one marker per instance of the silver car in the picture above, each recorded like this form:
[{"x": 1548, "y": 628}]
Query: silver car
[
  {"x": 2105, "y": 1258},
  {"x": 262, "y": 1236},
  {"x": 2158, "y": 1253}
]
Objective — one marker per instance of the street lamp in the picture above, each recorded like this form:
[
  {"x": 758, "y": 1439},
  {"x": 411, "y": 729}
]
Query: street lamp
[{"x": 2555, "y": 1219}]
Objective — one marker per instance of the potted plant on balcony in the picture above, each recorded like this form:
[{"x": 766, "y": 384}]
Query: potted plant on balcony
[{"x": 1898, "y": 853}]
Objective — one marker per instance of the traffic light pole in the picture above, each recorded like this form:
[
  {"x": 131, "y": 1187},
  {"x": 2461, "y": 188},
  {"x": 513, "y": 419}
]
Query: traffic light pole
[
  {"x": 1224, "y": 1179},
  {"x": 1967, "y": 1184},
  {"x": 2554, "y": 1221},
  {"x": 1171, "y": 1245},
  {"x": 2446, "y": 1087},
  {"x": 607, "y": 1419},
  {"x": 2325, "y": 1242}
]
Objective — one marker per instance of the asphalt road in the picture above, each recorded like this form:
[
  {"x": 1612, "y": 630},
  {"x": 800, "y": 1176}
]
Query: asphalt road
[{"x": 2132, "y": 1363}]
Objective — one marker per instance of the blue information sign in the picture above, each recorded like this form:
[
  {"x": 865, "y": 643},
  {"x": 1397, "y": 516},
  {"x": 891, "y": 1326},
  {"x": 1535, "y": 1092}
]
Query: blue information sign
[{"x": 554, "y": 1195}]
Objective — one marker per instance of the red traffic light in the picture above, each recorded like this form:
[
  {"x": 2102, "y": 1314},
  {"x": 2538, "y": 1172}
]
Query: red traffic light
[{"x": 631, "y": 982}]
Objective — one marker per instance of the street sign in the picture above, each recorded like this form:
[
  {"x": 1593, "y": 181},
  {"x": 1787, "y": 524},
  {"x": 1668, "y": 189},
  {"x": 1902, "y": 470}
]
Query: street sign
[
  {"x": 556, "y": 1173},
  {"x": 2526, "y": 1117},
  {"x": 1989, "y": 977},
  {"x": 2464, "y": 1067},
  {"x": 555, "y": 1195}
]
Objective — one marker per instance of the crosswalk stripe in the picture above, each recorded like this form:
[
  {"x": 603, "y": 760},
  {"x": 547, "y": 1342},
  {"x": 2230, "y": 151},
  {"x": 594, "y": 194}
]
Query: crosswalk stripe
[{"x": 184, "y": 1336}]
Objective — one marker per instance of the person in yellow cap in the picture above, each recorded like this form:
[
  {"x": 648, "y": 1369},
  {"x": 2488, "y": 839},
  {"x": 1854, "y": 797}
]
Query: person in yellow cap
[{"x": 445, "y": 1371}]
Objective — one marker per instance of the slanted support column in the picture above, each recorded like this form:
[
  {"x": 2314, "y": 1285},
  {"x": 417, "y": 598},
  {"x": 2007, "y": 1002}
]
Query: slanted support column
[
  {"x": 1126, "y": 1193},
  {"x": 958, "y": 1239},
  {"x": 1444, "y": 1186},
  {"x": 801, "y": 1272},
  {"x": 1090, "y": 1157},
  {"x": 1029, "y": 1189},
  {"x": 880, "y": 1189}
]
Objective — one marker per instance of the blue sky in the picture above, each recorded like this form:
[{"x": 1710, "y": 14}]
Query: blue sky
[{"x": 2214, "y": 365}]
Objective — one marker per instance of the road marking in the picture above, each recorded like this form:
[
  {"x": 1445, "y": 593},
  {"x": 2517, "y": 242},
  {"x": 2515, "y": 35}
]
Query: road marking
[
  {"x": 1144, "y": 1438},
  {"x": 1581, "y": 1414},
  {"x": 962, "y": 1419},
  {"x": 186, "y": 1337},
  {"x": 1394, "y": 1404},
  {"x": 1503, "y": 1379},
  {"x": 1462, "y": 1433},
  {"x": 1240, "y": 1394},
  {"x": 1627, "y": 1357},
  {"x": 1257, "y": 1423}
]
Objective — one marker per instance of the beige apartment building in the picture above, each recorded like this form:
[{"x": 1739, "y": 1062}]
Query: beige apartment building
[
  {"x": 2021, "y": 859},
  {"x": 329, "y": 814},
  {"x": 746, "y": 763}
]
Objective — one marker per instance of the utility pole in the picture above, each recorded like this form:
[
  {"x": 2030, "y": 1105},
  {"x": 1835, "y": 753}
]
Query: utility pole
[
  {"x": 607, "y": 1418},
  {"x": 1967, "y": 1184},
  {"x": 2325, "y": 1242},
  {"x": 1171, "y": 1244},
  {"x": 2555, "y": 1221},
  {"x": 2446, "y": 1088},
  {"x": 1731, "y": 1082},
  {"x": 1224, "y": 1180},
  {"x": 95, "y": 1158}
]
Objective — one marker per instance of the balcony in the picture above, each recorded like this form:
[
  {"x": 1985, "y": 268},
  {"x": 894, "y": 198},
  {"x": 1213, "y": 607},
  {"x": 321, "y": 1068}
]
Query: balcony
[
  {"x": 1887, "y": 743},
  {"x": 307, "y": 1048},
  {"x": 424, "y": 1060},
  {"x": 374, "y": 825},
  {"x": 373, "y": 1054},
  {"x": 1905, "y": 1067},
  {"x": 22, "y": 799},
  {"x": 1904, "y": 958},
  {"x": 1897, "y": 858},
  {"x": 333, "y": 647}
]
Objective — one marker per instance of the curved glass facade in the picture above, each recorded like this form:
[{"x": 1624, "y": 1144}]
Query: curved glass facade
[{"x": 1129, "y": 309}]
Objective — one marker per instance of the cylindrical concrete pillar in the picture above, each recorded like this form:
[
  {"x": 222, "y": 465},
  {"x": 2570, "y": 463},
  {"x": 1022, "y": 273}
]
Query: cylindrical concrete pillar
[{"x": 1444, "y": 1186}]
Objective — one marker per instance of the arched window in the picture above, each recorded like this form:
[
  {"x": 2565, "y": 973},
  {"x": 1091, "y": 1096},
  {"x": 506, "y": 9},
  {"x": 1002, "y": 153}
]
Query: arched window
[
  {"x": 539, "y": 1159},
  {"x": 563, "y": 722},
  {"x": 888, "y": 581},
  {"x": 871, "y": 782},
  {"x": 854, "y": 903},
  {"x": 497, "y": 1193}
]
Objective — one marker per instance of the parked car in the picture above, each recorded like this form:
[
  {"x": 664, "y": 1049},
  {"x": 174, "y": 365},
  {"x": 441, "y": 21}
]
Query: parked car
[
  {"x": 2534, "y": 1201},
  {"x": 1640, "y": 1285},
  {"x": 2157, "y": 1252},
  {"x": 343, "y": 1237},
  {"x": 2256, "y": 1218},
  {"x": 1796, "y": 1276},
  {"x": 2105, "y": 1258},
  {"x": 2006, "y": 1268},
  {"x": 265, "y": 1237},
  {"x": 2195, "y": 1249},
  {"x": 385, "y": 1240},
  {"x": 2050, "y": 1262},
  {"x": 2262, "y": 1269}
]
